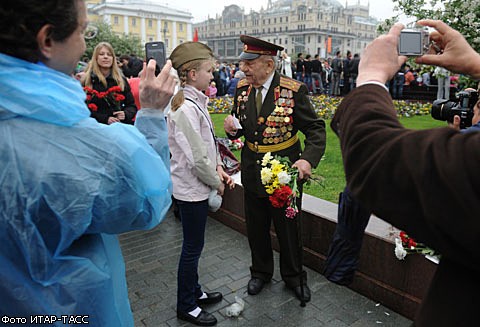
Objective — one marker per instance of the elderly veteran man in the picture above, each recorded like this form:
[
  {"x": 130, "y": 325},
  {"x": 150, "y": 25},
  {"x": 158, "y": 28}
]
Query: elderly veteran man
[{"x": 269, "y": 130}]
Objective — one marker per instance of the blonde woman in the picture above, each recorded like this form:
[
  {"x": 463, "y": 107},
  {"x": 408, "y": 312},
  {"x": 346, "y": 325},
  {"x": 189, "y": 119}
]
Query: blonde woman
[
  {"x": 196, "y": 170},
  {"x": 109, "y": 97}
]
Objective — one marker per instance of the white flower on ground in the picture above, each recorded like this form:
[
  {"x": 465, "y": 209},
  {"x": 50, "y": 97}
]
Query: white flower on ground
[
  {"x": 284, "y": 178},
  {"x": 399, "y": 250},
  {"x": 266, "y": 175}
]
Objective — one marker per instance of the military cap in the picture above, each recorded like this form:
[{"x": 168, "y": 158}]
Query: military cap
[
  {"x": 189, "y": 51},
  {"x": 254, "y": 48}
]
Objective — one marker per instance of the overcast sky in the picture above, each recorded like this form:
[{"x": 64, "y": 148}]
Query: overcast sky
[{"x": 200, "y": 9}]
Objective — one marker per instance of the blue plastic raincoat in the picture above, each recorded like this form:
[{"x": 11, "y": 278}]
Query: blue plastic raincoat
[{"x": 69, "y": 185}]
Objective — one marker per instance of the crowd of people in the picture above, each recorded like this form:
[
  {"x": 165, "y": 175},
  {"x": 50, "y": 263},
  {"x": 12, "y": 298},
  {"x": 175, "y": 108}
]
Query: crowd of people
[{"x": 100, "y": 166}]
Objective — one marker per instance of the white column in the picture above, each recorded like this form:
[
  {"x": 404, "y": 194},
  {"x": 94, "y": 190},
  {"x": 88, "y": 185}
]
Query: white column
[
  {"x": 159, "y": 30},
  {"x": 125, "y": 24},
  {"x": 189, "y": 32},
  {"x": 143, "y": 33},
  {"x": 174, "y": 34}
]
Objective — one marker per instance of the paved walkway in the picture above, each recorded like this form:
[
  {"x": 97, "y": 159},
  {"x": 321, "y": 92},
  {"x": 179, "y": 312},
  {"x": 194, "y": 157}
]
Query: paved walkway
[{"x": 151, "y": 263}]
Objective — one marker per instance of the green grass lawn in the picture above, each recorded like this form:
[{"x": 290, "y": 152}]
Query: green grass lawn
[{"x": 331, "y": 166}]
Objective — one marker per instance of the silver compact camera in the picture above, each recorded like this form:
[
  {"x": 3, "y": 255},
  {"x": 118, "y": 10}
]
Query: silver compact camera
[{"x": 414, "y": 42}]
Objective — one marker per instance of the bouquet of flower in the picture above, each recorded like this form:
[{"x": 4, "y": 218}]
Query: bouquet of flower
[
  {"x": 280, "y": 181},
  {"x": 112, "y": 96},
  {"x": 404, "y": 245}
]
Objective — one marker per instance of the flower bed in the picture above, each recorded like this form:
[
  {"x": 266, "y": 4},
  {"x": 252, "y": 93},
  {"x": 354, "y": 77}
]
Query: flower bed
[{"x": 325, "y": 106}]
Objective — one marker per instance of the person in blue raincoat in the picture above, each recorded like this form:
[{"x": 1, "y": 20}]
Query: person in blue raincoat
[{"x": 69, "y": 184}]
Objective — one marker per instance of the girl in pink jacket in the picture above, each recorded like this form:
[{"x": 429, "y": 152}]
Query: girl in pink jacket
[{"x": 196, "y": 170}]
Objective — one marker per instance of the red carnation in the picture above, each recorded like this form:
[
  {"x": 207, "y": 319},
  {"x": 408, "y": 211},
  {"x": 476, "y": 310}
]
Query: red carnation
[
  {"x": 412, "y": 243},
  {"x": 114, "y": 89},
  {"x": 92, "y": 107},
  {"x": 280, "y": 196}
]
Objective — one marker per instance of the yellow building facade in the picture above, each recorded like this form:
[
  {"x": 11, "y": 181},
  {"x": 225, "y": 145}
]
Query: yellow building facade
[{"x": 146, "y": 20}]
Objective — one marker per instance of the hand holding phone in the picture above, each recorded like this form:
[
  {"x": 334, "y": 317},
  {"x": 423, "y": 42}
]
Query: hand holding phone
[{"x": 156, "y": 50}]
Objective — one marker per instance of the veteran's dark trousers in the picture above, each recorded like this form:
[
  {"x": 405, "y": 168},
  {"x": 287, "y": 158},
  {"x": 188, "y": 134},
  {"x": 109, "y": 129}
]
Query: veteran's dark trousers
[{"x": 259, "y": 213}]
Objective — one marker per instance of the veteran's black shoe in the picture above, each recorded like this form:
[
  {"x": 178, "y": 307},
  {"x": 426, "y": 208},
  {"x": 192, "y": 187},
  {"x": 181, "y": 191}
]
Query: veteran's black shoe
[
  {"x": 255, "y": 286},
  {"x": 203, "y": 319},
  {"x": 306, "y": 292},
  {"x": 211, "y": 298}
]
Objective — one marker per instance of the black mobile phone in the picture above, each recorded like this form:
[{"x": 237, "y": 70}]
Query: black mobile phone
[{"x": 156, "y": 50}]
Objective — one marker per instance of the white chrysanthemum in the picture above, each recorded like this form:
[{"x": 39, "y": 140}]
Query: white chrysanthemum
[
  {"x": 284, "y": 178},
  {"x": 399, "y": 250},
  {"x": 266, "y": 175},
  {"x": 266, "y": 158}
]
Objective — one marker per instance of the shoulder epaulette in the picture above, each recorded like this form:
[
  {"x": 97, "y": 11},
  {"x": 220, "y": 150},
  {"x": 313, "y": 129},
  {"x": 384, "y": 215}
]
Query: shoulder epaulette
[
  {"x": 290, "y": 83},
  {"x": 242, "y": 83}
]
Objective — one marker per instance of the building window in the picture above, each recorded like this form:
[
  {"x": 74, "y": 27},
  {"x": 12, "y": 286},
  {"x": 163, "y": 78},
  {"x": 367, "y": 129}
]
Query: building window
[
  {"x": 115, "y": 20},
  {"x": 150, "y": 23},
  {"x": 180, "y": 26},
  {"x": 134, "y": 21}
]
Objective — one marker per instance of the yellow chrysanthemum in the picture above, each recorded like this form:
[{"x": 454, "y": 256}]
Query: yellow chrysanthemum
[
  {"x": 269, "y": 189},
  {"x": 277, "y": 167}
]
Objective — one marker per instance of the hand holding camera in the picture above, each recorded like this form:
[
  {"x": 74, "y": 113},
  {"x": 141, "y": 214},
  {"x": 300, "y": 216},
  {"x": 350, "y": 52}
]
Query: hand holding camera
[{"x": 456, "y": 54}]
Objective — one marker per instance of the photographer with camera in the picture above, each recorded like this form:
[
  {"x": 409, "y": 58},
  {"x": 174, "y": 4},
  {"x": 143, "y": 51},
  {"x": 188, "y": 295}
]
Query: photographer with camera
[
  {"x": 459, "y": 113},
  {"x": 473, "y": 117},
  {"x": 424, "y": 182}
]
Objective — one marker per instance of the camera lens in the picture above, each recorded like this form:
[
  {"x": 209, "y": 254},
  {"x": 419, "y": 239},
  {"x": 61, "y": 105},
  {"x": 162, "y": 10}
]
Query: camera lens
[{"x": 441, "y": 109}]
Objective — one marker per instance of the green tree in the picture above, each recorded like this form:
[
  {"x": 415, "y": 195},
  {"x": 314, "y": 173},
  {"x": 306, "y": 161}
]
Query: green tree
[{"x": 123, "y": 44}]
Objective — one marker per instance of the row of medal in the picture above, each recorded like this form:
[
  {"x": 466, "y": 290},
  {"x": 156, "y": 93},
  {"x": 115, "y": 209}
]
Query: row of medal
[{"x": 279, "y": 123}]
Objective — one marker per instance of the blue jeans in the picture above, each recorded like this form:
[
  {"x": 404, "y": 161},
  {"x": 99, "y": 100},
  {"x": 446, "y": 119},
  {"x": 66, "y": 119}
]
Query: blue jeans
[
  {"x": 194, "y": 219},
  {"x": 317, "y": 77},
  {"x": 299, "y": 76},
  {"x": 307, "y": 79}
]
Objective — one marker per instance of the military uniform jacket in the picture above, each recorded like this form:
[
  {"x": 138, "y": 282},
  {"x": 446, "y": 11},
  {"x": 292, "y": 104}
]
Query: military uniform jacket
[{"x": 286, "y": 110}]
